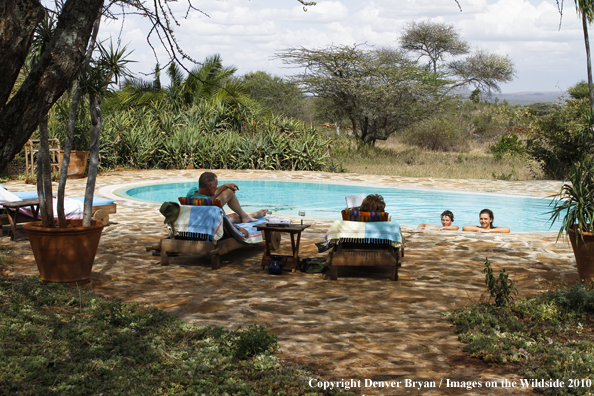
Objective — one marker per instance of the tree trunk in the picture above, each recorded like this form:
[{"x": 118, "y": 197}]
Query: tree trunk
[
  {"x": 586, "y": 38},
  {"x": 44, "y": 176},
  {"x": 96, "y": 121},
  {"x": 49, "y": 78},
  {"x": 70, "y": 127},
  {"x": 17, "y": 24}
]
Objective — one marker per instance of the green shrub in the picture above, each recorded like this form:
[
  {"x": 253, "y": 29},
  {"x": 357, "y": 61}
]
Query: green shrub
[
  {"x": 253, "y": 341},
  {"x": 438, "y": 134},
  {"x": 540, "y": 109},
  {"x": 578, "y": 298},
  {"x": 579, "y": 91},
  {"x": 562, "y": 138},
  {"x": 543, "y": 337},
  {"x": 507, "y": 144},
  {"x": 501, "y": 288}
]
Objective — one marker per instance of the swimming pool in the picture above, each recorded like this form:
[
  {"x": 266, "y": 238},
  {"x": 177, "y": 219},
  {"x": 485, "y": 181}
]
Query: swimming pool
[{"x": 406, "y": 206}]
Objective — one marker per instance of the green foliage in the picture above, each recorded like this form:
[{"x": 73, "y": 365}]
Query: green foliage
[
  {"x": 55, "y": 341},
  {"x": 562, "y": 138},
  {"x": 508, "y": 144},
  {"x": 542, "y": 337},
  {"x": 438, "y": 134},
  {"x": 253, "y": 341},
  {"x": 209, "y": 134},
  {"x": 276, "y": 94},
  {"x": 579, "y": 298},
  {"x": 433, "y": 40},
  {"x": 379, "y": 91},
  {"x": 575, "y": 201},
  {"x": 579, "y": 91},
  {"x": 542, "y": 109},
  {"x": 501, "y": 288}
]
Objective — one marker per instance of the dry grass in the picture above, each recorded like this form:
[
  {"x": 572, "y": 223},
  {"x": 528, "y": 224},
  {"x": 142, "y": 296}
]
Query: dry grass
[{"x": 394, "y": 157}]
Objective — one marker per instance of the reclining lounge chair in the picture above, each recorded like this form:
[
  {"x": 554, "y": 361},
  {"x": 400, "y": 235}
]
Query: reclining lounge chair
[
  {"x": 101, "y": 209},
  {"x": 365, "y": 239},
  {"x": 202, "y": 229}
]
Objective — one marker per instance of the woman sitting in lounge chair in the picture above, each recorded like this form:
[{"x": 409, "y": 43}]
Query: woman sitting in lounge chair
[
  {"x": 486, "y": 218},
  {"x": 373, "y": 203}
]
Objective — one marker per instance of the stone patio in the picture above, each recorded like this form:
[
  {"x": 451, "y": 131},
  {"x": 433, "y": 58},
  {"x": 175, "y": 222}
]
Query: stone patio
[{"x": 362, "y": 326}]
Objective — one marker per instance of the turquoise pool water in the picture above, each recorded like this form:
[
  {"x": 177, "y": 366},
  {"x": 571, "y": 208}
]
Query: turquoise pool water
[{"x": 406, "y": 206}]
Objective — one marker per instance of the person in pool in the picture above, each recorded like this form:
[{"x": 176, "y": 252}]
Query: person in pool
[
  {"x": 486, "y": 218},
  {"x": 447, "y": 218},
  {"x": 208, "y": 188}
]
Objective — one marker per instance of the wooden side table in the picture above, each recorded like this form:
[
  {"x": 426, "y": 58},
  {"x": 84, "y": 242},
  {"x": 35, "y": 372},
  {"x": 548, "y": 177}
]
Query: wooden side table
[
  {"x": 294, "y": 230},
  {"x": 12, "y": 211}
]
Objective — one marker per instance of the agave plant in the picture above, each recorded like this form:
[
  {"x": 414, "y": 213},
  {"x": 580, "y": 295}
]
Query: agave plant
[{"x": 574, "y": 203}]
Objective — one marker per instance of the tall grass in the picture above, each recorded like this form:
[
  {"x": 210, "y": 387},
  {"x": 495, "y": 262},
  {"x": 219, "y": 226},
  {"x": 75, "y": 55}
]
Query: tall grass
[{"x": 396, "y": 158}]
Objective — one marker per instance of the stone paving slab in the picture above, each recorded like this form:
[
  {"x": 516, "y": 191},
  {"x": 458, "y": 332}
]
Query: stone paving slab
[{"x": 362, "y": 326}]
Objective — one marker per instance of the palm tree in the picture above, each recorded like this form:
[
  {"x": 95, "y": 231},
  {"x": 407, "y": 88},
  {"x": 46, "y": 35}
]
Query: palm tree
[
  {"x": 585, "y": 8},
  {"x": 210, "y": 81}
]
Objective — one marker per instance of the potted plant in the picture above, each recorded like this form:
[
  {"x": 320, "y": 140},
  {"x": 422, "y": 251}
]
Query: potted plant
[
  {"x": 575, "y": 205},
  {"x": 65, "y": 252},
  {"x": 79, "y": 155}
]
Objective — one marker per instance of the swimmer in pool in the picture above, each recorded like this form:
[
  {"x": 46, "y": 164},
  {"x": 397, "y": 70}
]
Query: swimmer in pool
[
  {"x": 447, "y": 218},
  {"x": 486, "y": 218}
]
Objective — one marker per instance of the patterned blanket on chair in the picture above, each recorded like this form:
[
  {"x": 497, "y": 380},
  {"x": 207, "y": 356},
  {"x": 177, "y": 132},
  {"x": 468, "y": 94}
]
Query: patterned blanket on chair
[
  {"x": 385, "y": 232},
  {"x": 206, "y": 222}
]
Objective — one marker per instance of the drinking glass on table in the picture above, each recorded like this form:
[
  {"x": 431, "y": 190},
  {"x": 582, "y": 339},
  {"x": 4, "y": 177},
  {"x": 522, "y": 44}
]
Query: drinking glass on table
[
  {"x": 268, "y": 213},
  {"x": 302, "y": 215}
]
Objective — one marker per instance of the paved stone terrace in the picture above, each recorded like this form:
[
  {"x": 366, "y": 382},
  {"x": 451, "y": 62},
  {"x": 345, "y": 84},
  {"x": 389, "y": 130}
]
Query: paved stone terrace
[{"x": 362, "y": 326}]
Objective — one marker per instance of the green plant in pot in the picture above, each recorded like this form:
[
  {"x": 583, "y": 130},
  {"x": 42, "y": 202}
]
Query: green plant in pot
[
  {"x": 574, "y": 205},
  {"x": 65, "y": 252}
]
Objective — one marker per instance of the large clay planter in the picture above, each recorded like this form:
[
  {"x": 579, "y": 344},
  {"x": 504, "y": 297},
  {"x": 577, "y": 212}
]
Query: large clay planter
[
  {"x": 65, "y": 254},
  {"x": 584, "y": 253},
  {"x": 77, "y": 164}
]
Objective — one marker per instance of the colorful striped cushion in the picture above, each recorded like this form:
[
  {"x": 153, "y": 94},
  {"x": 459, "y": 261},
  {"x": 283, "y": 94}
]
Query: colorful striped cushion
[
  {"x": 200, "y": 202},
  {"x": 357, "y": 215}
]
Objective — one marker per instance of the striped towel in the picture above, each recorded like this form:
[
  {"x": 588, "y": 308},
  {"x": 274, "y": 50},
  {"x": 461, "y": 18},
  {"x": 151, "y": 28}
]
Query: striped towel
[
  {"x": 382, "y": 233},
  {"x": 200, "y": 222},
  {"x": 206, "y": 223}
]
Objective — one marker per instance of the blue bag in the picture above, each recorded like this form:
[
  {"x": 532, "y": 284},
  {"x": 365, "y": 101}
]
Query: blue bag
[{"x": 276, "y": 266}]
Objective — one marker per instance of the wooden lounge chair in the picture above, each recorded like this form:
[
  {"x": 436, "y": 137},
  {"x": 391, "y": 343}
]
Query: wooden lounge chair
[
  {"x": 357, "y": 243},
  {"x": 230, "y": 239},
  {"x": 365, "y": 254},
  {"x": 11, "y": 213}
]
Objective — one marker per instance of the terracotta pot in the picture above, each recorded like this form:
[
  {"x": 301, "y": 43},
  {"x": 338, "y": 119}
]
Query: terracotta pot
[
  {"x": 584, "y": 253},
  {"x": 77, "y": 164},
  {"x": 65, "y": 254}
]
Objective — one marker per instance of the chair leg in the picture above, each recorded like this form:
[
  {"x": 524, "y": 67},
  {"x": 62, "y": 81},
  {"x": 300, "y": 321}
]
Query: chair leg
[
  {"x": 215, "y": 260},
  {"x": 394, "y": 274},
  {"x": 333, "y": 272},
  {"x": 164, "y": 257}
]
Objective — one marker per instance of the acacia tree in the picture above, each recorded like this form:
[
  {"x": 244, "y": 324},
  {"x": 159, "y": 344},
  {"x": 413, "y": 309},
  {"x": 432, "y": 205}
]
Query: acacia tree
[
  {"x": 483, "y": 70},
  {"x": 59, "y": 62},
  {"x": 434, "y": 40},
  {"x": 380, "y": 91}
]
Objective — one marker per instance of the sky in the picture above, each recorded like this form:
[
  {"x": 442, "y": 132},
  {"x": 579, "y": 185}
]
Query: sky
[{"x": 248, "y": 33}]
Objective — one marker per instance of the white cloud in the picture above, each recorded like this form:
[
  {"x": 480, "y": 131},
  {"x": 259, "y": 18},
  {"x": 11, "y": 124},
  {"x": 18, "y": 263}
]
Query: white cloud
[{"x": 248, "y": 33}]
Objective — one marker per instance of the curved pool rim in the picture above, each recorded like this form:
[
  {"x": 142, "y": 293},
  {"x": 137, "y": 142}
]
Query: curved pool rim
[{"x": 109, "y": 192}]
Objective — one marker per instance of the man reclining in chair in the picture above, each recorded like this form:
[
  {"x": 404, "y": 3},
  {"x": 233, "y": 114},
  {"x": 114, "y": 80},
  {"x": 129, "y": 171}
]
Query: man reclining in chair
[{"x": 208, "y": 188}]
